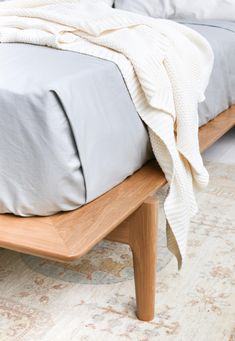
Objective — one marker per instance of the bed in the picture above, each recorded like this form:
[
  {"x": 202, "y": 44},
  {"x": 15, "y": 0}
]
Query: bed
[
  {"x": 56, "y": 112},
  {"x": 44, "y": 116}
]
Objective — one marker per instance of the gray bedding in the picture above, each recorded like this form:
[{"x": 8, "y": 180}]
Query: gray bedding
[
  {"x": 68, "y": 129},
  {"x": 220, "y": 93}
]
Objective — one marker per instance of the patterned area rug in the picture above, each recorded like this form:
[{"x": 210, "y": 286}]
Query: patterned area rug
[{"x": 93, "y": 299}]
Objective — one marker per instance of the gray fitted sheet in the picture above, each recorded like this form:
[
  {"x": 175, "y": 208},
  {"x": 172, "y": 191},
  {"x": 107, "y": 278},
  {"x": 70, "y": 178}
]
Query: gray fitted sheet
[
  {"x": 220, "y": 93},
  {"x": 68, "y": 129}
]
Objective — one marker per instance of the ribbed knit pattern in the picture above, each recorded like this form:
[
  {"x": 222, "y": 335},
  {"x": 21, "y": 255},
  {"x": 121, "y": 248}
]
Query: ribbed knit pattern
[{"x": 166, "y": 67}]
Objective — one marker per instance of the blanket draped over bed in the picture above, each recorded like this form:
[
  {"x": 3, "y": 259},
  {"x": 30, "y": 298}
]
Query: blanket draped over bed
[{"x": 166, "y": 67}]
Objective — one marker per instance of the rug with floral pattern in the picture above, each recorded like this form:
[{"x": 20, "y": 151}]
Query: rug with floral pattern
[{"x": 93, "y": 298}]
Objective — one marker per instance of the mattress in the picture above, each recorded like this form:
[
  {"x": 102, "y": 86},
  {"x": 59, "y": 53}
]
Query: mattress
[
  {"x": 220, "y": 93},
  {"x": 69, "y": 131}
]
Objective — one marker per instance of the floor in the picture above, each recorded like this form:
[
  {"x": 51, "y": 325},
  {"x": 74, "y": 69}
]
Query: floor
[
  {"x": 93, "y": 298},
  {"x": 223, "y": 150}
]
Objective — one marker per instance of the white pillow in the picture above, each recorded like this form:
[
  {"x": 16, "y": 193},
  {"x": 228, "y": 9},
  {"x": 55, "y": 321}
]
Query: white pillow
[
  {"x": 108, "y": 2},
  {"x": 181, "y": 9}
]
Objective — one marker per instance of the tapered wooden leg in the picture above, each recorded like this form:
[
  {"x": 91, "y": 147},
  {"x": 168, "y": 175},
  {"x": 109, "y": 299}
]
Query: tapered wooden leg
[
  {"x": 143, "y": 245},
  {"x": 140, "y": 232}
]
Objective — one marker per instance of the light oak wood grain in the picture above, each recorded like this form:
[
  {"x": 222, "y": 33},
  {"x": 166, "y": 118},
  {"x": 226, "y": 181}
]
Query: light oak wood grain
[
  {"x": 139, "y": 231},
  {"x": 67, "y": 236},
  {"x": 213, "y": 130},
  {"x": 222, "y": 150}
]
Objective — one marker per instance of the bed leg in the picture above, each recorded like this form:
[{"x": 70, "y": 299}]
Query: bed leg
[
  {"x": 143, "y": 245},
  {"x": 140, "y": 232}
]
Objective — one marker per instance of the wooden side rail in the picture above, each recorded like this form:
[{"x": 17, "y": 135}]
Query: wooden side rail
[
  {"x": 216, "y": 128},
  {"x": 68, "y": 236}
]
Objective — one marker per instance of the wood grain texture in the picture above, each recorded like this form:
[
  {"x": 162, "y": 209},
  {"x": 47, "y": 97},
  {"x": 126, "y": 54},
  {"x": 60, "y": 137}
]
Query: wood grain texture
[
  {"x": 216, "y": 128},
  {"x": 139, "y": 231},
  {"x": 222, "y": 150},
  {"x": 67, "y": 236}
]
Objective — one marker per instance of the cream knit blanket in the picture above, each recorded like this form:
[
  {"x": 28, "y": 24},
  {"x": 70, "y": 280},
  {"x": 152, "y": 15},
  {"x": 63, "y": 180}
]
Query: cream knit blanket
[{"x": 166, "y": 67}]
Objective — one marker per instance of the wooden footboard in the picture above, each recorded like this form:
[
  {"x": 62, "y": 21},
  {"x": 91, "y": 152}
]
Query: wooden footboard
[{"x": 69, "y": 235}]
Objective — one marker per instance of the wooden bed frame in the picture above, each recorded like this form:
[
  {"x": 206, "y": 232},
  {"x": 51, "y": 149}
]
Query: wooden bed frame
[{"x": 126, "y": 214}]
